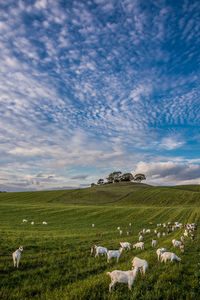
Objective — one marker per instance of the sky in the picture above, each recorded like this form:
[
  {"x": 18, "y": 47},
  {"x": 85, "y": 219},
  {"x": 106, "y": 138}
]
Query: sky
[{"x": 92, "y": 87}]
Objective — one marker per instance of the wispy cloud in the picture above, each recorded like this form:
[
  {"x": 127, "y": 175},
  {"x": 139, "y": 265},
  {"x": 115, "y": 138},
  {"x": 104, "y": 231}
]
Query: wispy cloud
[{"x": 100, "y": 83}]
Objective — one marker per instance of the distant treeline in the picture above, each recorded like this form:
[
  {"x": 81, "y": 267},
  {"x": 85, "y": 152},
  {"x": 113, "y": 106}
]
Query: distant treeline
[{"x": 117, "y": 176}]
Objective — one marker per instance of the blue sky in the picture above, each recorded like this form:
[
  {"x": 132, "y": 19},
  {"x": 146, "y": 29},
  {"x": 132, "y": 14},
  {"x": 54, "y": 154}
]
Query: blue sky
[{"x": 89, "y": 87}]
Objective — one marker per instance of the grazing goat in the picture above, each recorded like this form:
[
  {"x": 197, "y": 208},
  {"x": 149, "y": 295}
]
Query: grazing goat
[
  {"x": 130, "y": 224},
  {"x": 122, "y": 277},
  {"x": 32, "y": 223},
  {"x": 93, "y": 225},
  {"x": 125, "y": 245},
  {"x": 114, "y": 253},
  {"x": 16, "y": 256},
  {"x": 148, "y": 231},
  {"x": 98, "y": 250},
  {"x": 169, "y": 255},
  {"x": 140, "y": 264},
  {"x": 160, "y": 251},
  {"x": 24, "y": 221},
  {"x": 118, "y": 228},
  {"x": 139, "y": 245},
  {"x": 154, "y": 242},
  {"x": 44, "y": 223}
]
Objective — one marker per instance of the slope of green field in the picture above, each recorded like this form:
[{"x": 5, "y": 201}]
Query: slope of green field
[
  {"x": 56, "y": 262},
  {"x": 114, "y": 194}
]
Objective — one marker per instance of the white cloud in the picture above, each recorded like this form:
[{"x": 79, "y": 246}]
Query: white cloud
[{"x": 169, "y": 173}]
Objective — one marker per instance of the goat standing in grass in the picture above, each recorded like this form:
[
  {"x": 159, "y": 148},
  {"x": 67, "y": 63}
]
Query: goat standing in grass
[
  {"x": 16, "y": 256},
  {"x": 122, "y": 277}
]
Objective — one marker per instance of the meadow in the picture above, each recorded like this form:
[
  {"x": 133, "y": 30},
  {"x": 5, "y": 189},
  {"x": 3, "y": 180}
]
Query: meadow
[{"x": 56, "y": 262}]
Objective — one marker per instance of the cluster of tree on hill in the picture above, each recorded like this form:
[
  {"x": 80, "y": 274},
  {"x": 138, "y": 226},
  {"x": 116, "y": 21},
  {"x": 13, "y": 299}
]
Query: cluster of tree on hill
[{"x": 117, "y": 176}]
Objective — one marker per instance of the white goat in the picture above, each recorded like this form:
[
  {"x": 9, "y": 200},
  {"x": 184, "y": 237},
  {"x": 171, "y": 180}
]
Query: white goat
[
  {"x": 16, "y": 256},
  {"x": 24, "y": 221},
  {"x": 125, "y": 245},
  {"x": 44, "y": 223},
  {"x": 139, "y": 245},
  {"x": 93, "y": 225},
  {"x": 160, "y": 251},
  {"x": 140, "y": 238},
  {"x": 169, "y": 255},
  {"x": 114, "y": 253},
  {"x": 130, "y": 224},
  {"x": 98, "y": 250},
  {"x": 140, "y": 264},
  {"x": 118, "y": 228},
  {"x": 32, "y": 223},
  {"x": 122, "y": 277},
  {"x": 154, "y": 242},
  {"x": 148, "y": 231}
]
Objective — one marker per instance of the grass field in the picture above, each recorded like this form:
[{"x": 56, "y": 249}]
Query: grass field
[{"x": 56, "y": 262}]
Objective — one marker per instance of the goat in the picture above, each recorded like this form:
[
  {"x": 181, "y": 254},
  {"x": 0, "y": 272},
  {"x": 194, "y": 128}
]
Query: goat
[
  {"x": 154, "y": 242},
  {"x": 169, "y": 255},
  {"x": 98, "y": 250},
  {"x": 122, "y": 277},
  {"x": 140, "y": 238},
  {"x": 99, "y": 233},
  {"x": 24, "y": 221},
  {"x": 16, "y": 256},
  {"x": 114, "y": 253},
  {"x": 139, "y": 245},
  {"x": 160, "y": 251},
  {"x": 140, "y": 264},
  {"x": 182, "y": 247},
  {"x": 125, "y": 245}
]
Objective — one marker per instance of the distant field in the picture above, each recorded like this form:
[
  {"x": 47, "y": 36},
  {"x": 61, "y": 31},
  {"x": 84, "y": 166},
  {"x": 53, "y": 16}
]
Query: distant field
[
  {"x": 56, "y": 262},
  {"x": 115, "y": 194}
]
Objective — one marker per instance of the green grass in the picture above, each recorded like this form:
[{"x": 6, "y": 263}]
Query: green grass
[{"x": 56, "y": 262}]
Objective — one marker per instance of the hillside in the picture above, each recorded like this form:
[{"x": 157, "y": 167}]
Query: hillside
[{"x": 120, "y": 194}]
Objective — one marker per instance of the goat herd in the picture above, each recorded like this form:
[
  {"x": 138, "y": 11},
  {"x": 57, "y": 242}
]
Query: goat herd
[
  {"x": 137, "y": 263},
  {"x": 118, "y": 276}
]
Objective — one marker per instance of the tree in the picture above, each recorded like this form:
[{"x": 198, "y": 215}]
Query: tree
[
  {"x": 93, "y": 185},
  {"x": 100, "y": 181},
  {"x": 127, "y": 177},
  {"x": 139, "y": 177},
  {"x": 114, "y": 177}
]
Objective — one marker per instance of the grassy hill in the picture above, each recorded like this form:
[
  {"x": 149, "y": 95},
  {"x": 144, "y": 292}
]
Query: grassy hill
[
  {"x": 113, "y": 194},
  {"x": 56, "y": 261}
]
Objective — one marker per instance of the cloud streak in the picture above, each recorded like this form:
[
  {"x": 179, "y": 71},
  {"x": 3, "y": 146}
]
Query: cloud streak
[{"x": 96, "y": 83}]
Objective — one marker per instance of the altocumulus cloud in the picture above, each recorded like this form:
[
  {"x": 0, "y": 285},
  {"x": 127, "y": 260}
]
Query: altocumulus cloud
[{"x": 87, "y": 86}]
